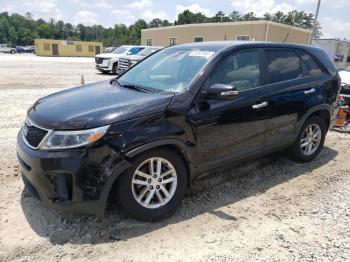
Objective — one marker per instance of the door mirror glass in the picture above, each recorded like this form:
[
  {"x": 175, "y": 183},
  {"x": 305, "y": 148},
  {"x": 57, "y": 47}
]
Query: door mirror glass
[{"x": 221, "y": 92}]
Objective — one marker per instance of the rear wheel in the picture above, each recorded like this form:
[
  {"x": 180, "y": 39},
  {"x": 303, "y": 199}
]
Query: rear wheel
[
  {"x": 154, "y": 186},
  {"x": 310, "y": 140}
]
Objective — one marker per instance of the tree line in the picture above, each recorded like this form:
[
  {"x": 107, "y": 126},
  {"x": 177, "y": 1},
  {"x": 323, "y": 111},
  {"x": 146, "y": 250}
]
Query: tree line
[{"x": 22, "y": 30}]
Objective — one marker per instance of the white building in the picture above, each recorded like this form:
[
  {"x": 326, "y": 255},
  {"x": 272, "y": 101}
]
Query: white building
[{"x": 338, "y": 50}]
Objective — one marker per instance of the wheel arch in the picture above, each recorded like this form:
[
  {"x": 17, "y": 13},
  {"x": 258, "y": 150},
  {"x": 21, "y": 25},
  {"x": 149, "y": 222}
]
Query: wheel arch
[
  {"x": 173, "y": 144},
  {"x": 323, "y": 111}
]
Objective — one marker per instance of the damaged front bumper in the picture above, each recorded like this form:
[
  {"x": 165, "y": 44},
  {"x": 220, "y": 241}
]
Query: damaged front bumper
[{"x": 74, "y": 181}]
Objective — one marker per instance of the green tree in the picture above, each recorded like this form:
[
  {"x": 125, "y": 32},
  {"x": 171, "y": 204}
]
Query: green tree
[
  {"x": 135, "y": 31},
  {"x": 235, "y": 16},
  {"x": 44, "y": 31},
  {"x": 12, "y": 35},
  {"x": 22, "y": 30},
  {"x": 220, "y": 17},
  {"x": 187, "y": 17}
]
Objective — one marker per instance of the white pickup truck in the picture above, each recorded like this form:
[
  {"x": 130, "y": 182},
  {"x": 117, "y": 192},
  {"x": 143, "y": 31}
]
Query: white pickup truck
[{"x": 108, "y": 62}]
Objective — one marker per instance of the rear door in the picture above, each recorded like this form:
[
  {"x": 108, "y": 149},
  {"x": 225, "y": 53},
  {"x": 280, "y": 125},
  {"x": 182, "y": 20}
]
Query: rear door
[{"x": 295, "y": 82}]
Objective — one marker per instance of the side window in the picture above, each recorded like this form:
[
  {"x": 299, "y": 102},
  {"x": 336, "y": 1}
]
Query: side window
[
  {"x": 240, "y": 70},
  {"x": 310, "y": 67},
  {"x": 283, "y": 65}
]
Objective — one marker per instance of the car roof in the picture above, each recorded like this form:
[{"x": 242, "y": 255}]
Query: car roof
[
  {"x": 130, "y": 46},
  {"x": 154, "y": 47},
  {"x": 217, "y": 46},
  {"x": 223, "y": 46}
]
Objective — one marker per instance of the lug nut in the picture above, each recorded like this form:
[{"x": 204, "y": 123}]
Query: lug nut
[
  {"x": 159, "y": 180},
  {"x": 157, "y": 187},
  {"x": 151, "y": 187},
  {"x": 154, "y": 175},
  {"x": 149, "y": 181}
]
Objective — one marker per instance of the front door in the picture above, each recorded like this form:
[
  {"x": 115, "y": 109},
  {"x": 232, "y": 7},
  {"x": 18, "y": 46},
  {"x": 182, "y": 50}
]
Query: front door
[
  {"x": 97, "y": 50},
  {"x": 229, "y": 130},
  {"x": 55, "y": 49}
]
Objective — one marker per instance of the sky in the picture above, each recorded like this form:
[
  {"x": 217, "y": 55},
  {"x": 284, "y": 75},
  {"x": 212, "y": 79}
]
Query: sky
[{"x": 334, "y": 14}]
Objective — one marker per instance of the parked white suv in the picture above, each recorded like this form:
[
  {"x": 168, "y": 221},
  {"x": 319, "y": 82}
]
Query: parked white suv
[
  {"x": 108, "y": 62},
  {"x": 125, "y": 62},
  {"x": 6, "y": 48}
]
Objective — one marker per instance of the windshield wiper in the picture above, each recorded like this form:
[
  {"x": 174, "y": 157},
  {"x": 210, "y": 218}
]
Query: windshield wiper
[{"x": 138, "y": 88}]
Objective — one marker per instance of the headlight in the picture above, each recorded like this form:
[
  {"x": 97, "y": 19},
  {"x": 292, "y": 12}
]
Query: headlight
[{"x": 73, "y": 139}]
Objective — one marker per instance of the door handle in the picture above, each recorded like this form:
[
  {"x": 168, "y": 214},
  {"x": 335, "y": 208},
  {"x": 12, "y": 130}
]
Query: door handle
[
  {"x": 263, "y": 104},
  {"x": 310, "y": 91}
]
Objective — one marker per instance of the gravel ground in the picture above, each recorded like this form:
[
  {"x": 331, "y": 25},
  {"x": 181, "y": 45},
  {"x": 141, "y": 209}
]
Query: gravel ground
[{"x": 271, "y": 209}]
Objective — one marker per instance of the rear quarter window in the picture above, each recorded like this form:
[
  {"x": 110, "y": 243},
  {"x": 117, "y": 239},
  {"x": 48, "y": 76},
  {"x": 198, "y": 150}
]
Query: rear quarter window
[
  {"x": 310, "y": 66},
  {"x": 283, "y": 65}
]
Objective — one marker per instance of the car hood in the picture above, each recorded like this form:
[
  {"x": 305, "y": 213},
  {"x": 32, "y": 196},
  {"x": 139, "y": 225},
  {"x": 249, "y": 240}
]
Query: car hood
[
  {"x": 345, "y": 77},
  {"x": 94, "y": 105},
  {"x": 109, "y": 55},
  {"x": 134, "y": 57}
]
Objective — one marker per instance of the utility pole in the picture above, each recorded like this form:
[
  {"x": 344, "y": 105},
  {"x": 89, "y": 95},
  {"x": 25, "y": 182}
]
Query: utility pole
[{"x": 315, "y": 21}]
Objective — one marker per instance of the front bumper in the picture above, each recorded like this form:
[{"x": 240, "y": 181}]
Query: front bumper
[
  {"x": 104, "y": 66},
  {"x": 73, "y": 181}
]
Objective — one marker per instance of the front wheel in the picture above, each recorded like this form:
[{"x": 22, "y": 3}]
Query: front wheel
[
  {"x": 114, "y": 68},
  {"x": 310, "y": 140},
  {"x": 154, "y": 186}
]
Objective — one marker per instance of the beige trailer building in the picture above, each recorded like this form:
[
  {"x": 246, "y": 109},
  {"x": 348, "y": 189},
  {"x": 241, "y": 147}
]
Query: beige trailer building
[
  {"x": 247, "y": 31},
  {"x": 50, "y": 47}
]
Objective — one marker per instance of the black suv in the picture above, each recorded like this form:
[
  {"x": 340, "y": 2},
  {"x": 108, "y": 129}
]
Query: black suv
[{"x": 143, "y": 136}]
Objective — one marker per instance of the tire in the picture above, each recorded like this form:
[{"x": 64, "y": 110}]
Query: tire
[
  {"x": 127, "y": 191},
  {"x": 114, "y": 68},
  {"x": 298, "y": 151}
]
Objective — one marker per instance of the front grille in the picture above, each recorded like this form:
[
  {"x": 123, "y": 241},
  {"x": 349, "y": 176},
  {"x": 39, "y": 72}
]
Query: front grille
[
  {"x": 123, "y": 65},
  {"x": 34, "y": 135},
  {"x": 98, "y": 60}
]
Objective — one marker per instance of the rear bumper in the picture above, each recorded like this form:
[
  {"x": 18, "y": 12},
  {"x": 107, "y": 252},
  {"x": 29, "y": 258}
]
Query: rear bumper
[{"x": 72, "y": 181}]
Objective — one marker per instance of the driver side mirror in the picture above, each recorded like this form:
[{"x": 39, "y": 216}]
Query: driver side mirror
[
  {"x": 129, "y": 53},
  {"x": 221, "y": 92}
]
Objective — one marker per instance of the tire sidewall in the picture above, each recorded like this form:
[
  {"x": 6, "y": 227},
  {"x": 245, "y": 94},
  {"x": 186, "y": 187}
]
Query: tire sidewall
[
  {"x": 126, "y": 198},
  {"x": 114, "y": 68},
  {"x": 312, "y": 120}
]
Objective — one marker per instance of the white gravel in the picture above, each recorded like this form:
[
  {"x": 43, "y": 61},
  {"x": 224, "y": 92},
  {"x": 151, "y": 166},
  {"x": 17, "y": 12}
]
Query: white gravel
[{"x": 270, "y": 210}]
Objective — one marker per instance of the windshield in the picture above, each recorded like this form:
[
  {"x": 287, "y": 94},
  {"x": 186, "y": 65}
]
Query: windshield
[
  {"x": 120, "y": 50},
  {"x": 168, "y": 70},
  {"x": 147, "y": 51}
]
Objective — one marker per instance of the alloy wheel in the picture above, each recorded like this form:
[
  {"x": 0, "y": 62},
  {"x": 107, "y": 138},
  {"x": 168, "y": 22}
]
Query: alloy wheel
[
  {"x": 310, "y": 139},
  {"x": 154, "y": 182}
]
